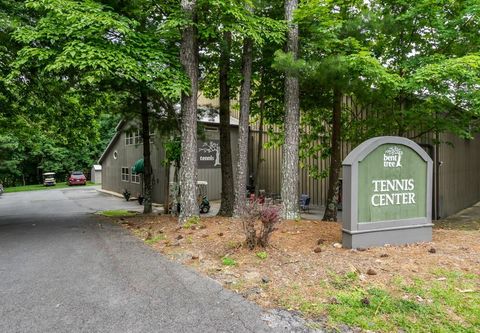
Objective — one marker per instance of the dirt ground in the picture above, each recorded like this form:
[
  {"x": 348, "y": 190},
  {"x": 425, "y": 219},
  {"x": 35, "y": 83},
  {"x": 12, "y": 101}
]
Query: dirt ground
[{"x": 301, "y": 255}]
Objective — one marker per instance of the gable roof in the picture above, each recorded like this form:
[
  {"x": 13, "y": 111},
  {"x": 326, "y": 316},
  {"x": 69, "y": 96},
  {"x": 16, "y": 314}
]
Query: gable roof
[
  {"x": 204, "y": 115},
  {"x": 117, "y": 134}
]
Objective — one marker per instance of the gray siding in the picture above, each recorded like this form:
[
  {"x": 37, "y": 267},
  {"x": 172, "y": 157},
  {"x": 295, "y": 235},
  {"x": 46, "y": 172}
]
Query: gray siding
[
  {"x": 458, "y": 172},
  {"x": 270, "y": 171},
  {"x": 129, "y": 154}
]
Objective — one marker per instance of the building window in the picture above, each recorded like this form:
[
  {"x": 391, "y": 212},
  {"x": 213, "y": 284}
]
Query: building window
[
  {"x": 135, "y": 178},
  {"x": 115, "y": 154},
  {"x": 125, "y": 174},
  {"x": 133, "y": 137}
]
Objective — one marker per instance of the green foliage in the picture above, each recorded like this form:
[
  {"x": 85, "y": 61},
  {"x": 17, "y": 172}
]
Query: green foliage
[
  {"x": 90, "y": 38},
  {"x": 441, "y": 305},
  {"x": 227, "y": 261},
  {"x": 262, "y": 255},
  {"x": 192, "y": 221},
  {"x": 173, "y": 150},
  {"x": 251, "y": 19},
  {"x": 414, "y": 66},
  {"x": 284, "y": 62},
  {"x": 117, "y": 213},
  {"x": 65, "y": 63}
]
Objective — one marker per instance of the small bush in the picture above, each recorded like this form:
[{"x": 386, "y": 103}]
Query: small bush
[
  {"x": 269, "y": 217},
  {"x": 227, "y": 261},
  {"x": 249, "y": 217}
]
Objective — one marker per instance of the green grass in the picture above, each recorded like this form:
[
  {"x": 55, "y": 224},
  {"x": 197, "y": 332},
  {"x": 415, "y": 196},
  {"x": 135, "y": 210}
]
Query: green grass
[
  {"x": 262, "y": 255},
  {"x": 117, "y": 213},
  {"x": 227, "y": 261},
  {"x": 155, "y": 239},
  {"x": 448, "y": 303},
  {"x": 39, "y": 187},
  {"x": 192, "y": 221}
]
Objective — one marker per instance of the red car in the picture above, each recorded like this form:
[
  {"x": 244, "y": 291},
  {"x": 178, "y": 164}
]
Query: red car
[{"x": 77, "y": 178}]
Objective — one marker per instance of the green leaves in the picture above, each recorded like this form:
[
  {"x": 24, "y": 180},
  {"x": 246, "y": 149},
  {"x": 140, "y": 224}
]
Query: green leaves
[
  {"x": 284, "y": 62},
  {"x": 99, "y": 44}
]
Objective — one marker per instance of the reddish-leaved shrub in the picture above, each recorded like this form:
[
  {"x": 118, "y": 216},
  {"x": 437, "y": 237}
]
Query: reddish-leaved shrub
[{"x": 268, "y": 215}]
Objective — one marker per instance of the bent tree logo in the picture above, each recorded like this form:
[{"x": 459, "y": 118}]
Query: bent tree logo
[
  {"x": 392, "y": 157},
  {"x": 391, "y": 184},
  {"x": 208, "y": 154}
]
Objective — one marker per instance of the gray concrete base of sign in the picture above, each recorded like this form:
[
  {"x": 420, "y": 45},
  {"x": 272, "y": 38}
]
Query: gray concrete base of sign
[{"x": 393, "y": 236}]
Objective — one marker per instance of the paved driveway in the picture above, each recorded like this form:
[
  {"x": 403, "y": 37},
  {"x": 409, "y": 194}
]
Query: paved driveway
[{"x": 63, "y": 271}]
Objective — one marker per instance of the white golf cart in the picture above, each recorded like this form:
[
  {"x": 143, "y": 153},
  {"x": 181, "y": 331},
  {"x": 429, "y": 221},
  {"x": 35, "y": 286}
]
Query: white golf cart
[{"x": 49, "y": 179}]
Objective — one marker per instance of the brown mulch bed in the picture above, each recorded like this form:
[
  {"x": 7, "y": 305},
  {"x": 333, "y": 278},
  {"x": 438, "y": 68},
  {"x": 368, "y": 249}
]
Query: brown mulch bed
[{"x": 301, "y": 255}]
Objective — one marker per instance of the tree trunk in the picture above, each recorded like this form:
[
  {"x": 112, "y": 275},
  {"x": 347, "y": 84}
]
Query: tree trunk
[
  {"x": 166, "y": 189},
  {"x": 147, "y": 164},
  {"x": 335, "y": 159},
  {"x": 188, "y": 159},
  {"x": 243, "y": 129},
  {"x": 256, "y": 180},
  {"x": 292, "y": 120},
  {"x": 228, "y": 193}
]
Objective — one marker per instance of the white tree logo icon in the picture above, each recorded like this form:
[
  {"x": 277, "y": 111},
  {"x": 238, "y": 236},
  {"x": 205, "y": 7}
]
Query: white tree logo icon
[
  {"x": 211, "y": 147},
  {"x": 392, "y": 157}
]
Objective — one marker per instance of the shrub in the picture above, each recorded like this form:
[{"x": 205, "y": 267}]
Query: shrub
[
  {"x": 249, "y": 217},
  {"x": 269, "y": 217}
]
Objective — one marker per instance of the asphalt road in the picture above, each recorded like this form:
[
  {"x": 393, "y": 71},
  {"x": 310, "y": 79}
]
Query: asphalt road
[{"x": 61, "y": 270}]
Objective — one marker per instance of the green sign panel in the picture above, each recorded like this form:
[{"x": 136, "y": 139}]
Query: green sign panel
[
  {"x": 387, "y": 193},
  {"x": 392, "y": 184}
]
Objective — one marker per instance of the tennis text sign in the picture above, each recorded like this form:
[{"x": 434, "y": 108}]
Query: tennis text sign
[{"x": 387, "y": 186}]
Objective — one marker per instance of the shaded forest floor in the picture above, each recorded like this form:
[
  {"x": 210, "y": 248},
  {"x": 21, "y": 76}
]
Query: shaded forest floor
[{"x": 422, "y": 287}]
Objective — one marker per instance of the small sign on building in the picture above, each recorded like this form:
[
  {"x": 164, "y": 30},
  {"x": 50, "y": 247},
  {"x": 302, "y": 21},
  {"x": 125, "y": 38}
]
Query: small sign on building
[
  {"x": 387, "y": 193},
  {"x": 208, "y": 155}
]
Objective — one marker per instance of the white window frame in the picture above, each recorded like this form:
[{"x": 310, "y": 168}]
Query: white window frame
[
  {"x": 133, "y": 137},
  {"x": 135, "y": 179},
  {"x": 128, "y": 138},
  {"x": 125, "y": 176},
  {"x": 137, "y": 137}
]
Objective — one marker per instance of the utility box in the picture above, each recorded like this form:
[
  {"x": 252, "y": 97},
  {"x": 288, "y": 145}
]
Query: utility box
[{"x": 96, "y": 174}]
